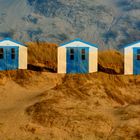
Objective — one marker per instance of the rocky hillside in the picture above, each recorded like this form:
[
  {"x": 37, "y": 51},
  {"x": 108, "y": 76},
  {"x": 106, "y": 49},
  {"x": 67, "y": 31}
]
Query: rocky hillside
[{"x": 109, "y": 23}]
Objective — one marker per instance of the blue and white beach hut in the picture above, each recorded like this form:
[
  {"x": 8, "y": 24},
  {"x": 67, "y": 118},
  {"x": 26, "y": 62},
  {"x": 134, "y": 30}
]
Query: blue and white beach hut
[
  {"x": 77, "y": 56},
  {"x": 13, "y": 55},
  {"x": 132, "y": 58}
]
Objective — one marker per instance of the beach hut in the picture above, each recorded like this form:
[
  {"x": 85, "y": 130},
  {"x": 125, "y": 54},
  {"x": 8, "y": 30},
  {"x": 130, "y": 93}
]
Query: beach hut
[
  {"x": 13, "y": 55},
  {"x": 77, "y": 56},
  {"x": 132, "y": 58}
]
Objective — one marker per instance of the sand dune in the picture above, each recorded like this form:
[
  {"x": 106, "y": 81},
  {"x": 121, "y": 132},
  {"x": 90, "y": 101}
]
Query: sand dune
[
  {"x": 38, "y": 105},
  {"x": 87, "y": 108},
  {"x": 14, "y": 99},
  {"x": 72, "y": 107}
]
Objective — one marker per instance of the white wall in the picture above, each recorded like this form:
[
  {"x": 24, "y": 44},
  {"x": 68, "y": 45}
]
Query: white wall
[
  {"x": 128, "y": 58},
  {"x": 93, "y": 59},
  {"x": 23, "y": 58},
  {"x": 128, "y": 61},
  {"x": 61, "y": 60}
]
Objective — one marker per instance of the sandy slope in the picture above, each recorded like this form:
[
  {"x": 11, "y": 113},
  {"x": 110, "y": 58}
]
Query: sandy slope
[
  {"x": 73, "y": 107},
  {"x": 90, "y": 107},
  {"x": 14, "y": 99}
]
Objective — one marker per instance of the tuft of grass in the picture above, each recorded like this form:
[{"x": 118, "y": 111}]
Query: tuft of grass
[
  {"x": 114, "y": 96},
  {"x": 113, "y": 60},
  {"x": 21, "y": 77},
  {"x": 42, "y": 54}
]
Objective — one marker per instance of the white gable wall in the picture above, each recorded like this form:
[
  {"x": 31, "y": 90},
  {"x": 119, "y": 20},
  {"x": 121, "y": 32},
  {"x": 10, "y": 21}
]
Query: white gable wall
[
  {"x": 93, "y": 59},
  {"x": 128, "y": 61},
  {"x": 76, "y": 44},
  {"x": 23, "y": 58},
  {"x": 61, "y": 60},
  {"x": 128, "y": 58},
  {"x": 22, "y": 53}
]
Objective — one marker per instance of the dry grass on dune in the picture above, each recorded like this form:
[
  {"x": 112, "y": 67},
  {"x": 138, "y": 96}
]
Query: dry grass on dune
[
  {"x": 91, "y": 106},
  {"x": 21, "y": 77},
  {"x": 45, "y": 54},
  {"x": 42, "y": 54},
  {"x": 112, "y": 59},
  {"x": 103, "y": 105}
]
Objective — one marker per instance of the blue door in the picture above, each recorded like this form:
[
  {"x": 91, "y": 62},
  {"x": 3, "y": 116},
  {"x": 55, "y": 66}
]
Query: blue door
[
  {"x": 136, "y": 60},
  {"x": 77, "y": 60},
  {"x": 8, "y": 58},
  {"x": 2, "y": 58}
]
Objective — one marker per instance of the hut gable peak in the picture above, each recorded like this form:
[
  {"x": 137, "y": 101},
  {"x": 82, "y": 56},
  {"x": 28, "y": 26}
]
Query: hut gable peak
[
  {"x": 9, "y": 41},
  {"x": 78, "y": 43},
  {"x": 133, "y": 44}
]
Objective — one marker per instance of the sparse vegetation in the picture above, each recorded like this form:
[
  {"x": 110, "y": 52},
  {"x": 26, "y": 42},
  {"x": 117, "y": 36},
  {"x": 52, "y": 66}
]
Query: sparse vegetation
[
  {"x": 101, "y": 105},
  {"x": 93, "y": 105},
  {"x": 113, "y": 60},
  {"x": 43, "y": 54}
]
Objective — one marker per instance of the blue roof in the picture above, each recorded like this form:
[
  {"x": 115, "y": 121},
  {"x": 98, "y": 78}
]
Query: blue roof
[
  {"x": 78, "y": 39},
  {"x": 130, "y": 44},
  {"x": 10, "y": 39}
]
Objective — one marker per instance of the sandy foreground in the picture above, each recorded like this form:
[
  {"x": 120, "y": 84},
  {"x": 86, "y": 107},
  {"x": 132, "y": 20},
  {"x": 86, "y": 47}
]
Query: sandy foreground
[
  {"x": 14, "y": 99},
  {"x": 55, "y": 107}
]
